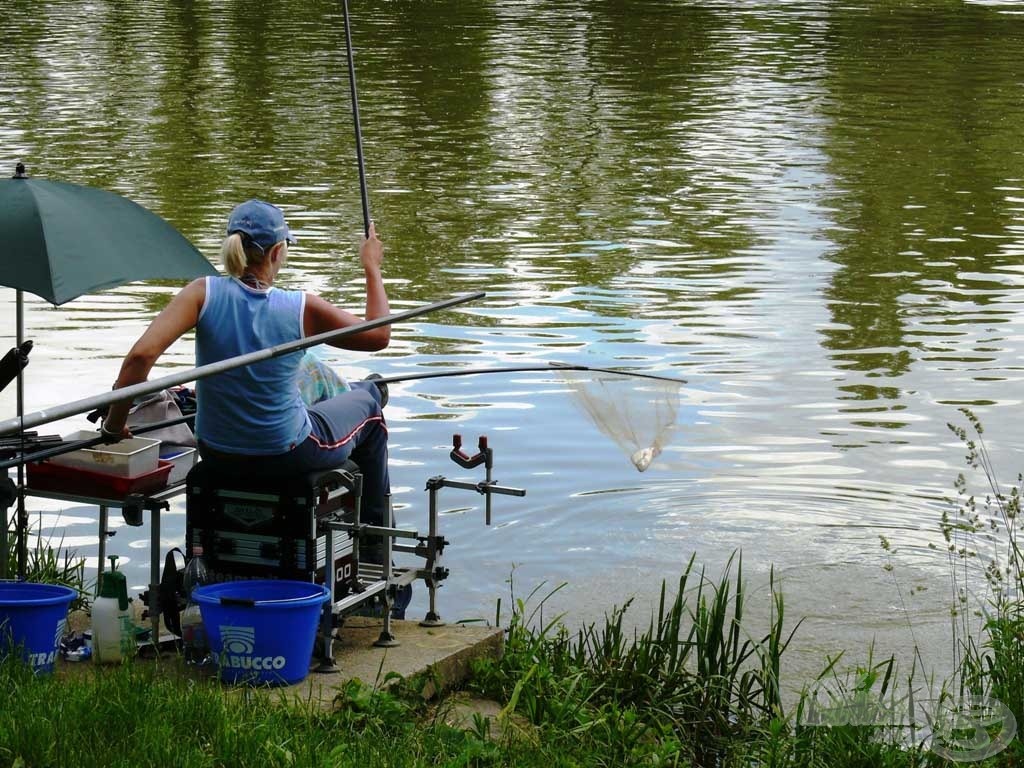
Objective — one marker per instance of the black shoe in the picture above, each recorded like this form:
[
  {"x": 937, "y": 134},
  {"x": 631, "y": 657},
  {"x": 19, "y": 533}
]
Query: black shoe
[
  {"x": 382, "y": 386},
  {"x": 403, "y": 596}
]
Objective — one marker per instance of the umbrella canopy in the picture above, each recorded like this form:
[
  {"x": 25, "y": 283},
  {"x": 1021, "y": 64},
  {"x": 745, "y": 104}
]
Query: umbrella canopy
[{"x": 64, "y": 240}]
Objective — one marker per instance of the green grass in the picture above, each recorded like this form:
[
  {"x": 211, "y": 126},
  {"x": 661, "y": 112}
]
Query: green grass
[
  {"x": 691, "y": 685},
  {"x": 695, "y": 688},
  {"x": 135, "y": 716}
]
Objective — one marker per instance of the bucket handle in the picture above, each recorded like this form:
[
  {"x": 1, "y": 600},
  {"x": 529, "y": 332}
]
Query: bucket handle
[
  {"x": 242, "y": 601},
  {"x": 248, "y": 602}
]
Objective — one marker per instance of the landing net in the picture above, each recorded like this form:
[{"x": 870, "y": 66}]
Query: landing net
[{"x": 637, "y": 414}]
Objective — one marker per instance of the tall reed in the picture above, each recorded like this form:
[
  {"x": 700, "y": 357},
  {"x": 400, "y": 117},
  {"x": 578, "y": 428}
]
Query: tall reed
[
  {"x": 694, "y": 678},
  {"x": 986, "y": 564}
]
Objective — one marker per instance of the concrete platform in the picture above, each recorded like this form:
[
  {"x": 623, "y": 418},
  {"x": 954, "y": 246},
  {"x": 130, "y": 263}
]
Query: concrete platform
[{"x": 443, "y": 654}]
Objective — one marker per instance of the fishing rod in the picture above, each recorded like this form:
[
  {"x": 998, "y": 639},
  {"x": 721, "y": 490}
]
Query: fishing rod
[
  {"x": 364, "y": 197},
  {"x": 552, "y": 366},
  {"x": 193, "y": 374}
]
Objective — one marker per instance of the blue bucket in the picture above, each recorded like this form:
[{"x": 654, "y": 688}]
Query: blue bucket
[
  {"x": 32, "y": 619},
  {"x": 262, "y": 631}
]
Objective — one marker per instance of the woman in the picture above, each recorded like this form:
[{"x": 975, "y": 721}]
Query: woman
[{"x": 252, "y": 419}]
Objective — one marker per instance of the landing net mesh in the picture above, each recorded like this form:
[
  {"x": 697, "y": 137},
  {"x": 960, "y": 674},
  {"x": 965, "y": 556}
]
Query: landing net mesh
[{"x": 637, "y": 414}]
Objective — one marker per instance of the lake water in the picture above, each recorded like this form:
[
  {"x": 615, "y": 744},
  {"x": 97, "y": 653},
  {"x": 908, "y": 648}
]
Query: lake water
[{"x": 811, "y": 212}]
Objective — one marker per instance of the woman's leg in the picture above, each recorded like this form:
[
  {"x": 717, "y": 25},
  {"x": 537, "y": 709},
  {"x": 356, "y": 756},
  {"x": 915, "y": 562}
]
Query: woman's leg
[{"x": 351, "y": 426}]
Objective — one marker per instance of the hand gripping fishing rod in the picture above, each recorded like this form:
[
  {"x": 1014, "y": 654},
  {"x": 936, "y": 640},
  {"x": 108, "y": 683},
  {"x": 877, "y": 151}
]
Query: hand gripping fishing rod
[{"x": 84, "y": 405}]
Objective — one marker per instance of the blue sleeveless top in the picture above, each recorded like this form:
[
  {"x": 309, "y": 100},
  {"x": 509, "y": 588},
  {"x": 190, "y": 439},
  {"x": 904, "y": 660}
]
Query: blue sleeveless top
[{"x": 255, "y": 409}]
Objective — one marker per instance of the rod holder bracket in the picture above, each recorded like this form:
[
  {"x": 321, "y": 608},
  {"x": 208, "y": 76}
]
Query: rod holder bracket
[{"x": 484, "y": 454}]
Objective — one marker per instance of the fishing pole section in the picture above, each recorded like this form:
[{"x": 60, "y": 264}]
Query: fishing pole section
[
  {"x": 106, "y": 399},
  {"x": 550, "y": 366},
  {"x": 354, "y": 97}
]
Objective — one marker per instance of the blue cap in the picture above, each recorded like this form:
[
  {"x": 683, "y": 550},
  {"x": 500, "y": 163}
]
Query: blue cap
[{"x": 261, "y": 222}]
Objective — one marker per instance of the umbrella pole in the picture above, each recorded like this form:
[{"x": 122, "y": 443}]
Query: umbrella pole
[{"x": 21, "y": 526}]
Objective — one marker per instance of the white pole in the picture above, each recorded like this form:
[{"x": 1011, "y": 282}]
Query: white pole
[{"x": 193, "y": 374}]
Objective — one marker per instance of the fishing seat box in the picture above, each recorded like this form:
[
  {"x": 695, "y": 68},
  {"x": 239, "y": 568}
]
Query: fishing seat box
[{"x": 252, "y": 528}]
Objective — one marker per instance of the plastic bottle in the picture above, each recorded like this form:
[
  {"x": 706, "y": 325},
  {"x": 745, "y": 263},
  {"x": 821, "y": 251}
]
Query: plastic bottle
[
  {"x": 194, "y": 641},
  {"x": 113, "y": 634}
]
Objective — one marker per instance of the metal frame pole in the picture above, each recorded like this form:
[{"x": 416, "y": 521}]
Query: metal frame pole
[
  {"x": 432, "y": 618},
  {"x": 104, "y": 524}
]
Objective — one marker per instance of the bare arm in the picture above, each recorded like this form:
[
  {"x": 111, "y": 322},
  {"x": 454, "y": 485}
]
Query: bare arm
[
  {"x": 179, "y": 316},
  {"x": 322, "y": 316}
]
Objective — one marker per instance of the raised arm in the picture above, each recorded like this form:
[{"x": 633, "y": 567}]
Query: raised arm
[
  {"x": 322, "y": 316},
  {"x": 179, "y": 316}
]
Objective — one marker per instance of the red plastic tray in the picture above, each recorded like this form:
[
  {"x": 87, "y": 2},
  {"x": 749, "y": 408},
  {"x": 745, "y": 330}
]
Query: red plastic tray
[{"x": 45, "y": 476}]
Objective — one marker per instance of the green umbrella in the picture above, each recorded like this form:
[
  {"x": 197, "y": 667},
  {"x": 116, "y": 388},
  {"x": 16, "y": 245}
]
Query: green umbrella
[{"x": 62, "y": 241}]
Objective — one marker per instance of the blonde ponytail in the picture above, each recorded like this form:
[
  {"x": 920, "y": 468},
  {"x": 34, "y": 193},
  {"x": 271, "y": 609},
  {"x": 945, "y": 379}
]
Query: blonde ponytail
[
  {"x": 232, "y": 255},
  {"x": 236, "y": 257}
]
